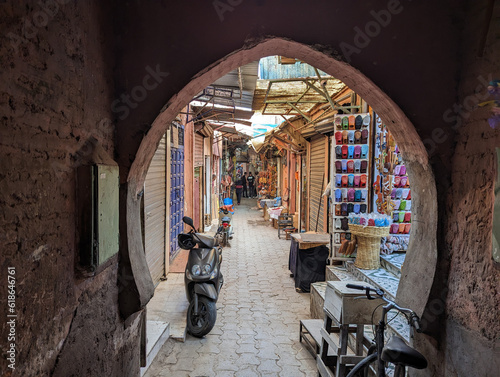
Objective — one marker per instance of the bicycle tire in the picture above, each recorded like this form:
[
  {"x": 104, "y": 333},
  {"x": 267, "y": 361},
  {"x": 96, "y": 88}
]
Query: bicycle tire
[{"x": 360, "y": 368}]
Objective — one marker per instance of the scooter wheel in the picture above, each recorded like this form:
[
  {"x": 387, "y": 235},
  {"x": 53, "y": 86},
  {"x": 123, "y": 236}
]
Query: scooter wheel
[{"x": 201, "y": 324}]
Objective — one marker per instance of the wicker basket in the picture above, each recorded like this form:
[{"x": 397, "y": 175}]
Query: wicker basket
[{"x": 368, "y": 239}]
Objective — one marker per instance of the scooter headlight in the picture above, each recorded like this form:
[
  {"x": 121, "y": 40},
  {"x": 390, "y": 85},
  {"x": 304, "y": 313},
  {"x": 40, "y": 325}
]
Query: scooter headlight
[
  {"x": 196, "y": 270},
  {"x": 206, "y": 269},
  {"x": 214, "y": 273}
]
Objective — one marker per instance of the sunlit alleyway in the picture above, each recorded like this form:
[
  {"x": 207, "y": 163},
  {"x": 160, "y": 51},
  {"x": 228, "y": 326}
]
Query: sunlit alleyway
[{"x": 257, "y": 329}]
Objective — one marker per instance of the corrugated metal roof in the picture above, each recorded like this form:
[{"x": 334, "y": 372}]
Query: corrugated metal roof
[{"x": 270, "y": 68}]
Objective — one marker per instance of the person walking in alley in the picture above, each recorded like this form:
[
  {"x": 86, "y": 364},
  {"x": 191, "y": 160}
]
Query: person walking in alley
[
  {"x": 251, "y": 185},
  {"x": 244, "y": 182},
  {"x": 238, "y": 185}
]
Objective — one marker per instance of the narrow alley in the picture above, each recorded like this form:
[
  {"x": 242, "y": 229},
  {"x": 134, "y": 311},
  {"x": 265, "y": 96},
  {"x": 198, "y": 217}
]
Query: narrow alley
[{"x": 258, "y": 312}]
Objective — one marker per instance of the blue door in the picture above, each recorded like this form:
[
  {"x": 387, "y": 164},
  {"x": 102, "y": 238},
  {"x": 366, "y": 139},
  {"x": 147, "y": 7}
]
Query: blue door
[{"x": 176, "y": 191}]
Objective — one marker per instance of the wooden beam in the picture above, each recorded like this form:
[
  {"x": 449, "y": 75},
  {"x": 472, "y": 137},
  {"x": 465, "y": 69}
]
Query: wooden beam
[{"x": 299, "y": 111}]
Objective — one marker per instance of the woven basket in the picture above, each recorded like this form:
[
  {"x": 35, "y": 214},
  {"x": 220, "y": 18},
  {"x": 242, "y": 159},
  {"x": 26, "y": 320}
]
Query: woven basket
[{"x": 368, "y": 239}]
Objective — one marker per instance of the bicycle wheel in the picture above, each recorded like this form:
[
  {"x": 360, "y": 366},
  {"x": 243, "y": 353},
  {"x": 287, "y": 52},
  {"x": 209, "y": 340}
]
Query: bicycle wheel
[{"x": 361, "y": 369}]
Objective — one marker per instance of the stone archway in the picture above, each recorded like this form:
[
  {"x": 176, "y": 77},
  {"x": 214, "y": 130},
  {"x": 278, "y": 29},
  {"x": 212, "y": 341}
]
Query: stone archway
[{"x": 422, "y": 252}]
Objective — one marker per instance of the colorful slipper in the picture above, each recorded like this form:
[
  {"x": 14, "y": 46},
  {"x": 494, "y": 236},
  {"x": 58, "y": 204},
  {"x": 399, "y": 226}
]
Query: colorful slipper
[
  {"x": 363, "y": 194},
  {"x": 404, "y": 181},
  {"x": 338, "y": 166},
  {"x": 402, "y": 206},
  {"x": 408, "y": 205},
  {"x": 356, "y": 181},
  {"x": 350, "y": 208},
  {"x": 350, "y": 195},
  {"x": 362, "y": 182},
  {"x": 393, "y": 193},
  {"x": 338, "y": 195},
  {"x": 350, "y": 137},
  {"x": 344, "y": 137},
  {"x": 338, "y": 137},
  {"x": 338, "y": 152},
  {"x": 396, "y": 203},
  {"x": 350, "y": 166},
  {"x": 345, "y": 123},
  {"x": 336, "y": 236},
  {"x": 358, "y": 122},
  {"x": 352, "y": 122},
  {"x": 344, "y": 195},
  {"x": 345, "y": 151},
  {"x": 337, "y": 209},
  {"x": 350, "y": 180},
  {"x": 357, "y": 166},
  {"x": 338, "y": 123},
  {"x": 409, "y": 195},
  {"x": 364, "y": 136},
  {"x": 399, "y": 193},
  {"x": 344, "y": 181},
  {"x": 337, "y": 223},
  {"x": 394, "y": 228},
  {"x": 366, "y": 120},
  {"x": 401, "y": 217},
  {"x": 408, "y": 217},
  {"x": 357, "y": 137},
  {"x": 357, "y": 196},
  {"x": 362, "y": 208},
  {"x": 350, "y": 151},
  {"x": 403, "y": 170},
  {"x": 364, "y": 151},
  {"x": 343, "y": 209},
  {"x": 397, "y": 168},
  {"x": 357, "y": 151},
  {"x": 407, "y": 228},
  {"x": 401, "y": 228},
  {"x": 364, "y": 166},
  {"x": 405, "y": 193},
  {"x": 338, "y": 180},
  {"x": 344, "y": 166},
  {"x": 345, "y": 223},
  {"x": 397, "y": 181}
]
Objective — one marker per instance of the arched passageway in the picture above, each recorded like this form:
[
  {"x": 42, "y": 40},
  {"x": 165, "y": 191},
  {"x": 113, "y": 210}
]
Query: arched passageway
[{"x": 422, "y": 253}]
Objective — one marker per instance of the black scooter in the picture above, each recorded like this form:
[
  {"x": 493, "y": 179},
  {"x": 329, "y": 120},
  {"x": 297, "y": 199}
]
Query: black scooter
[{"x": 203, "y": 278}]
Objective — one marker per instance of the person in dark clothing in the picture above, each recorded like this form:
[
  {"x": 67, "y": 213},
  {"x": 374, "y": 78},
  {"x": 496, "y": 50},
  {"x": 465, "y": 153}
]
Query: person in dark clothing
[
  {"x": 251, "y": 183},
  {"x": 239, "y": 189},
  {"x": 244, "y": 183}
]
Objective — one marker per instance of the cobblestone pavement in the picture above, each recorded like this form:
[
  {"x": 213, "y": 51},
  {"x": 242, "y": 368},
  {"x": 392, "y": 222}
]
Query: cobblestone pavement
[{"x": 258, "y": 313}]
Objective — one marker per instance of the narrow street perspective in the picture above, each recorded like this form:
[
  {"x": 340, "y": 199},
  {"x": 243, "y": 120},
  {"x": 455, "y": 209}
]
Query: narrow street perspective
[
  {"x": 249, "y": 188},
  {"x": 258, "y": 312}
]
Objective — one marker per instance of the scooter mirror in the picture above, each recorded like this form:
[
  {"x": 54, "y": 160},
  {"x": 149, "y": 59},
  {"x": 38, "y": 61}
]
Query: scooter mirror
[{"x": 188, "y": 220}]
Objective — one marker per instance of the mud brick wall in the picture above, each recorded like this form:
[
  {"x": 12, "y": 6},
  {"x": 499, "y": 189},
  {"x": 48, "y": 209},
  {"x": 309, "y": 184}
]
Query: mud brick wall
[{"x": 55, "y": 101}]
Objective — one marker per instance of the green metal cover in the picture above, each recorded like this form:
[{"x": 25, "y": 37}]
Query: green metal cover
[{"x": 107, "y": 182}]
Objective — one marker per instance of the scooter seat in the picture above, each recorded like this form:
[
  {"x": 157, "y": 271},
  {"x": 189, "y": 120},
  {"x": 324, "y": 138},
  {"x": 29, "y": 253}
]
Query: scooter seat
[
  {"x": 397, "y": 352},
  {"x": 226, "y": 218}
]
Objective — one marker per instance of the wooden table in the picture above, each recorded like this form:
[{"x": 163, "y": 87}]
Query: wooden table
[{"x": 307, "y": 260}]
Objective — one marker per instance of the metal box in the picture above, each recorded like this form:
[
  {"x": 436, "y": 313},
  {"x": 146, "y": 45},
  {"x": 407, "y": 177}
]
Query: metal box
[
  {"x": 97, "y": 214},
  {"x": 350, "y": 306}
]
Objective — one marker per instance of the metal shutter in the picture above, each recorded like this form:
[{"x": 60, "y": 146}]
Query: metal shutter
[
  {"x": 317, "y": 178},
  {"x": 155, "y": 212},
  {"x": 198, "y": 150}
]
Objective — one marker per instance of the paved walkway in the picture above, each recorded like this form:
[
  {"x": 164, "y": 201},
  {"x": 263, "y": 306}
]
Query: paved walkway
[{"x": 258, "y": 313}]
